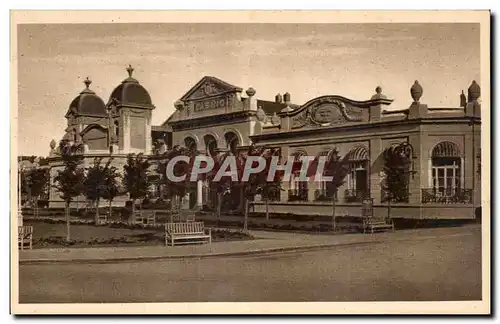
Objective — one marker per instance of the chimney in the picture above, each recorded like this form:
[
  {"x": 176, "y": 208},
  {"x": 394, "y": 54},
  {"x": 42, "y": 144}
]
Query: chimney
[
  {"x": 278, "y": 98},
  {"x": 286, "y": 97}
]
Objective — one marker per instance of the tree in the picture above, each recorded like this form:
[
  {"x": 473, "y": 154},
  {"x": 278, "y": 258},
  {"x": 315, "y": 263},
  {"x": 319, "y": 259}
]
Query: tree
[
  {"x": 224, "y": 184},
  {"x": 337, "y": 168},
  {"x": 135, "y": 178},
  {"x": 69, "y": 181},
  {"x": 176, "y": 190},
  {"x": 259, "y": 183},
  {"x": 112, "y": 188},
  {"x": 101, "y": 182},
  {"x": 36, "y": 181},
  {"x": 396, "y": 175}
]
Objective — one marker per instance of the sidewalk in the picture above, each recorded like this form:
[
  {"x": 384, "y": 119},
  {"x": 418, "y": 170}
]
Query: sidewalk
[{"x": 265, "y": 242}]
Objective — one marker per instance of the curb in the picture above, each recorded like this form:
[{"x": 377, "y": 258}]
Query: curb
[
  {"x": 225, "y": 254},
  {"x": 193, "y": 256}
]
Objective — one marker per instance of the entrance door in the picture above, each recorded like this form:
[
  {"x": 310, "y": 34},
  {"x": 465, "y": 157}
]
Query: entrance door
[{"x": 361, "y": 183}]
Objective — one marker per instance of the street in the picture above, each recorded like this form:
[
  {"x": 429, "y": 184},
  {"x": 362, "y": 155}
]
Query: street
[{"x": 441, "y": 268}]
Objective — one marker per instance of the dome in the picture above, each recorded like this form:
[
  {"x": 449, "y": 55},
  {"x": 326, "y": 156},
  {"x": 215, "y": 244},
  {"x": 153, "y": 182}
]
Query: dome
[
  {"x": 130, "y": 92},
  {"x": 88, "y": 103}
]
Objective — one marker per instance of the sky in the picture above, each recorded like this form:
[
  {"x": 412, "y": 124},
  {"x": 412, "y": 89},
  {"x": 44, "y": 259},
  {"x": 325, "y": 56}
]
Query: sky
[{"x": 306, "y": 60}]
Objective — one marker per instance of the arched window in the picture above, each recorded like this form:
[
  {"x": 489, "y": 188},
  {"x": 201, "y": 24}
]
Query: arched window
[
  {"x": 446, "y": 169},
  {"x": 232, "y": 142},
  {"x": 190, "y": 143},
  {"x": 211, "y": 144},
  {"x": 117, "y": 129},
  {"x": 74, "y": 135},
  {"x": 357, "y": 178}
]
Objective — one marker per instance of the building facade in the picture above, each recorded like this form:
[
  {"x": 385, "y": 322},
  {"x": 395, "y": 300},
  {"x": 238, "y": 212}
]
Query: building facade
[{"x": 442, "y": 144}]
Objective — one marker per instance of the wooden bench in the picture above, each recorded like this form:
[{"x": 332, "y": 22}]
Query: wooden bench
[
  {"x": 103, "y": 218},
  {"x": 372, "y": 224},
  {"x": 185, "y": 233},
  {"x": 25, "y": 236},
  {"x": 145, "y": 217}
]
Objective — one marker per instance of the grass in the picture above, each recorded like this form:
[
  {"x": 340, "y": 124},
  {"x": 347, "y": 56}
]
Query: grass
[{"x": 52, "y": 235}]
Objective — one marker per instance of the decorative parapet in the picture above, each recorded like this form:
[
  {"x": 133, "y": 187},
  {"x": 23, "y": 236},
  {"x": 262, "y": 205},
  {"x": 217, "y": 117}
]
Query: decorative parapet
[{"x": 333, "y": 110}]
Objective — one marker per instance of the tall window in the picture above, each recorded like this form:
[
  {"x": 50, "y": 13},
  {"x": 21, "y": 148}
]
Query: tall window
[
  {"x": 357, "y": 178},
  {"x": 446, "y": 169},
  {"x": 298, "y": 187},
  {"x": 74, "y": 135},
  {"x": 117, "y": 128},
  {"x": 324, "y": 189}
]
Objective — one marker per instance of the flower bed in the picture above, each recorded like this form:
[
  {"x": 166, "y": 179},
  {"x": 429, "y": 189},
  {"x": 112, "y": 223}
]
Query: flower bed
[{"x": 50, "y": 233}]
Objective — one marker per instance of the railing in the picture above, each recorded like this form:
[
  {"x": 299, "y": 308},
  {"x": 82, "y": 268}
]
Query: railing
[
  {"x": 323, "y": 195},
  {"x": 297, "y": 195},
  {"x": 353, "y": 195},
  {"x": 447, "y": 196},
  {"x": 403, "y": 197}
]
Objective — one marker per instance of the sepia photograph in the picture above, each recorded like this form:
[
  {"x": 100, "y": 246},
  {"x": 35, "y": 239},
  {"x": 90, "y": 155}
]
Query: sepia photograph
[{"x": 250, "y": 162}]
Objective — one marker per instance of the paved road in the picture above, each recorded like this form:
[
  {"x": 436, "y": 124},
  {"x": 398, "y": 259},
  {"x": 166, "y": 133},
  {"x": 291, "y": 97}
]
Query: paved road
[{"x": 444, "y": 268}]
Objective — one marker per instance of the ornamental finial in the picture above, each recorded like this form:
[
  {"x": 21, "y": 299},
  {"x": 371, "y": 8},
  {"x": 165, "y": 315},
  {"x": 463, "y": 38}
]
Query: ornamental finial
[
  {"x": 416, "y": 91},
  {"x": 87, "y": 82},
  {"x": 251, "y": 92},
  {"x": 130, "y": 70},
  {"x": 474, "y": 91}
]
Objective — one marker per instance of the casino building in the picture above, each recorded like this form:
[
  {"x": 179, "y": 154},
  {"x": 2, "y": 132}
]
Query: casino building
[{"x": 443, "y": 144}]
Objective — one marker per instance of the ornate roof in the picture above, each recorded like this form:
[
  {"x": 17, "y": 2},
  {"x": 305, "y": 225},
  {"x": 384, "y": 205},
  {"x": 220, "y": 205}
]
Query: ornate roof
[
  {"x": 130, "y": 92},
  {"x": 87, "y": 103}
]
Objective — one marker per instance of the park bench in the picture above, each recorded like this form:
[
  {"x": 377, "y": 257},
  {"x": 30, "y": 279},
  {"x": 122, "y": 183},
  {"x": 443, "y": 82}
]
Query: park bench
[
  {"x": 25, "y": 236},
  {"x": 372, "y": 223},
  {"x": 145, "y": 217},
  {"x": 185, "y": 233},
  {"x": 103, "y": 217}
]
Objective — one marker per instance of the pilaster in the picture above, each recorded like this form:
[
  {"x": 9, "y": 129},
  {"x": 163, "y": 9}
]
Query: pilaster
[
  {"x": 126, "y": 132},
  {"x": 376, "y": 168},
  {"x": 286, "y": 182},
  {"x": 149, "y": 144},
  {"x": 415, "y": 183}
]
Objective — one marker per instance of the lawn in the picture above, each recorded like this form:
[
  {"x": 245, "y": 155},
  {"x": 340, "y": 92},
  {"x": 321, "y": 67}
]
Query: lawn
[{"x": 51, "y": 235}]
